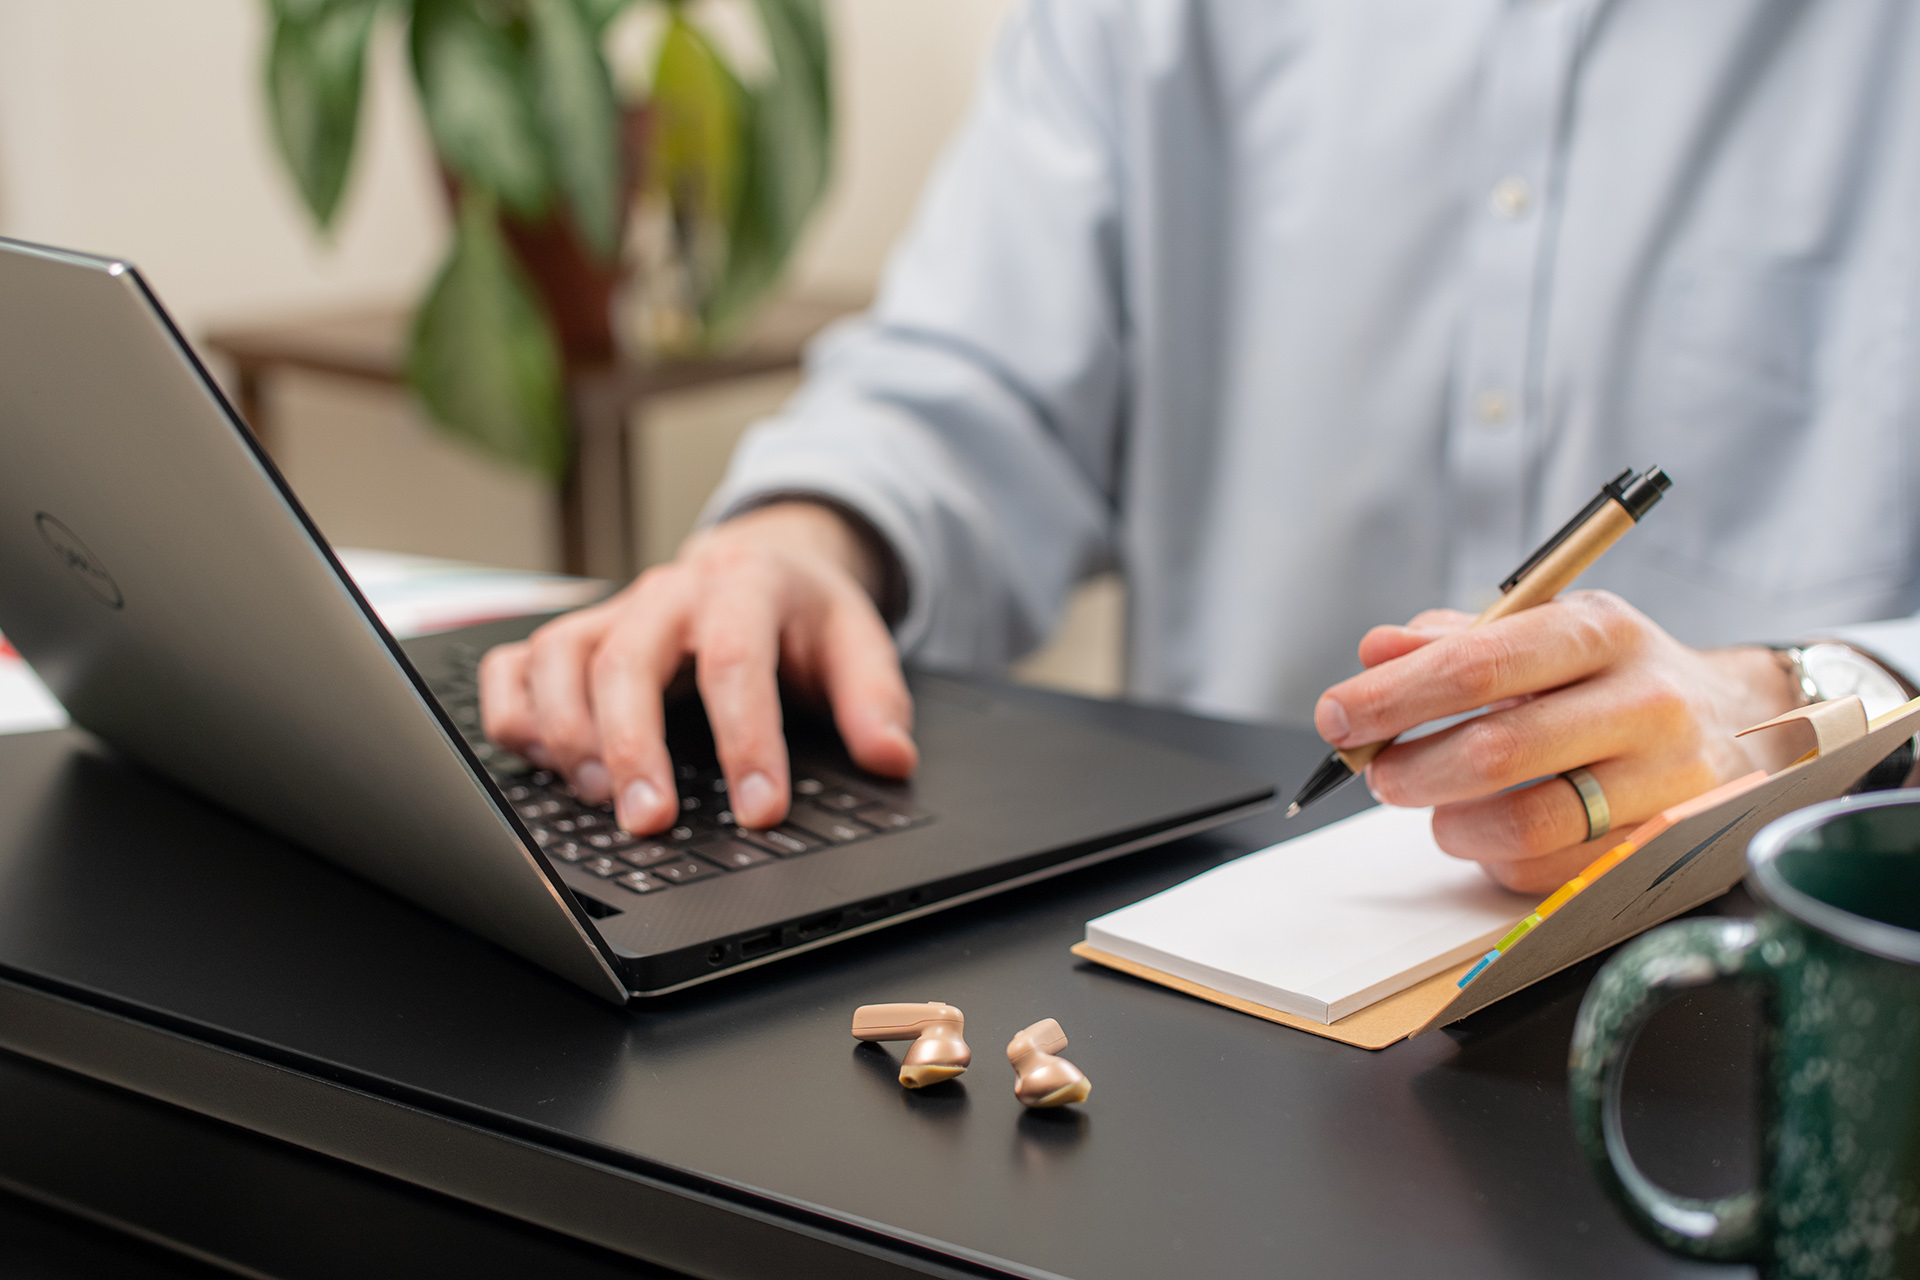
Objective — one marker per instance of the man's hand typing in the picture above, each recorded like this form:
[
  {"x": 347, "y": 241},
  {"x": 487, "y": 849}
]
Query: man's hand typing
[{"x": 787, "y": 589}]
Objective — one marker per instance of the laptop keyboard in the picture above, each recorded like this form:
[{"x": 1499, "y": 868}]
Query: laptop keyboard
[{"x": 829, "y": 810}]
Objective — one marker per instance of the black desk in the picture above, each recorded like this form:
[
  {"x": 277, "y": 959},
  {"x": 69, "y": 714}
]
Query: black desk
[{"x": 225, "y": 1043}]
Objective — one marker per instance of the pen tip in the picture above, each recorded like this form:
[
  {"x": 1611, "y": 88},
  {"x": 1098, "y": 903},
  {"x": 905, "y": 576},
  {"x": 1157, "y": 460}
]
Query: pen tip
[{"x": 1329, "y": 777}]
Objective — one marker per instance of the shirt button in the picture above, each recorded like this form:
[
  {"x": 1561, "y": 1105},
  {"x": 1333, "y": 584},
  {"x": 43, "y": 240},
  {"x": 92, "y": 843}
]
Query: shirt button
[
  {"x": 1510, "y": 197},
  {"x": 1491, "y": 407}
]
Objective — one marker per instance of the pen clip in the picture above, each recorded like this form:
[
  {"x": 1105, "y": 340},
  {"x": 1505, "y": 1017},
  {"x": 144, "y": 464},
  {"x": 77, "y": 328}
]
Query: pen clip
[{"x": 1609, "y": 492}]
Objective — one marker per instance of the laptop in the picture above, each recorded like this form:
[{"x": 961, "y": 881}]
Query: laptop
[{"x": 161, "y": 577}]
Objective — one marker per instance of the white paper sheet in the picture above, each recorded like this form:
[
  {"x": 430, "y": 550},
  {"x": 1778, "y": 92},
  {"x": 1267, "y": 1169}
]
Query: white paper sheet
[
  {"x": 414, "y": 595},
  {"x": 25, "y": 704},
  {"x": 1324, "y": 924}
]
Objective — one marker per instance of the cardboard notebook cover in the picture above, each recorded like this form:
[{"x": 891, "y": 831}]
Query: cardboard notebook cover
[{"x": 1692, "y": 853}]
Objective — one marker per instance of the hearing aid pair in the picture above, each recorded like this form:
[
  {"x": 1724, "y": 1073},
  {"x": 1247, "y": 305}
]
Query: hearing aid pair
[{"x": 939, "y": 1052}]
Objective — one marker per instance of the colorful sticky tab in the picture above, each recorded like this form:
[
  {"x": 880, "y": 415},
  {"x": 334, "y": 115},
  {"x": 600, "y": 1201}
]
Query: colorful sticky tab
[
  {"x": 1474, "y": 972},
  {"x": 1643, "y": 835}
]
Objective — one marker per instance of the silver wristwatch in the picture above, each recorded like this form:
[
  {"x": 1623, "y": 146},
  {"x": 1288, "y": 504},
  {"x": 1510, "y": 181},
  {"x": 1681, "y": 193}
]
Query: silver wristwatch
[{"x": 1824, "y": 670}]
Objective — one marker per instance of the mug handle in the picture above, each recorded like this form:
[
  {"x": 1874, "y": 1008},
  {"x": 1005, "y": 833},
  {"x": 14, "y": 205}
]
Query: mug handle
[{"x": 1635, "y": 983}]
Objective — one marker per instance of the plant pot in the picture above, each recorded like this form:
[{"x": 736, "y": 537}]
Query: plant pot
[{"x": 575, "y": 285}]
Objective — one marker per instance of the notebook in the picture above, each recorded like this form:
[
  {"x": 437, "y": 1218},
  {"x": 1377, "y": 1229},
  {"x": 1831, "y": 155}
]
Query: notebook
[
  {"x": 1364, "y": 932},
  {"x": 1323, "y": 925}
]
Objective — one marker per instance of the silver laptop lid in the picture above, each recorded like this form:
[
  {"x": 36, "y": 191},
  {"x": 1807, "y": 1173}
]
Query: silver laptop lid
[{"x": 159, "y": 575}]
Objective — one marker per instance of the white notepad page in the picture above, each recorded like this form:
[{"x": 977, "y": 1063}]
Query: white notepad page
[{"x": 1323, "y": 924}]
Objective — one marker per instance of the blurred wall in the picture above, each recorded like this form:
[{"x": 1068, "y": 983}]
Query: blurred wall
[{"x": 135, "y": 128}]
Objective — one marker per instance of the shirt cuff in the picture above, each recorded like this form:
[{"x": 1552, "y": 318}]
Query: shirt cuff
[{"x": 1894, "y": 644}]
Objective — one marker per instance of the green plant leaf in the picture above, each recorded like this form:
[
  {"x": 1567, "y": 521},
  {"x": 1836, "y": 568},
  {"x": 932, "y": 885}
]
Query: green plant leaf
[
  {"x": 484, "y": 358},
  {"x": 315, "y": 64},
  {"x": 601, "y": 13},
  {"x": 789, "y": 139},
  {"x": 475, "y": 85},
  {"x": 574, "y": 94},
  {"x": 699, "y": 112}
]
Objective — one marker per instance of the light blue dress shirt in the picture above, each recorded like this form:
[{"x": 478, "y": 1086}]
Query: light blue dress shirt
[{"x": 1310, "y": 315}]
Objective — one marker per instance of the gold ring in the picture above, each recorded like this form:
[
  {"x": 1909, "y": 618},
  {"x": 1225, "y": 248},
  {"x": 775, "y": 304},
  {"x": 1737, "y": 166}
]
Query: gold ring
[{"x": 1599, "y": 817}]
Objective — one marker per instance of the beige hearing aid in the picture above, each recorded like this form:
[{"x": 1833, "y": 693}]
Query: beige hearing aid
[
  {"x": 1045, "y": 1081},
  {"x": 938, "y": 1052}
]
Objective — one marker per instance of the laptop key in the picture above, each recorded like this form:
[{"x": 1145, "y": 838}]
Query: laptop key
[
  {"x": 640, "y": 882},
  {"x": 774, "y": 841},
  {"x": 839, "y": 801},
  {"x": 649, "y": 853},
  {"x": 566, "y": 851},
  {"x": 734, "y": 855},
  {"x": 602, "y": 866},
  {"x": 889, "y": 817},
  {"x": 808, "y": 786},
  {"x": 827, "y": 826},
  {"x": 684, "y": 871},
  {"x": 615, "y": 839}
]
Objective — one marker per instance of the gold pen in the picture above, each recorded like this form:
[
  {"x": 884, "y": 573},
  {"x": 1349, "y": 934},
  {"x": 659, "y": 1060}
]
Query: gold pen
[{"x": 1619, "y": 506}]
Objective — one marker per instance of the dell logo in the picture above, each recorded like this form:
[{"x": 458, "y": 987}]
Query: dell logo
[{"x": 80, "y": 562}]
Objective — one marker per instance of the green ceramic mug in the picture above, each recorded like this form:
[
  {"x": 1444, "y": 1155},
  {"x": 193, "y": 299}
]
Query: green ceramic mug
[{"x": 1835, "y": 958}]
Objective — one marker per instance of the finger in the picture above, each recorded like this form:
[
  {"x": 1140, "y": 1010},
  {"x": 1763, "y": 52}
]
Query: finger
[
  {"x": 557, "y": 677},
  {"x": 630, "y": 669},
  {"x": 1441, "y": 621},
  {"x": 1384, "y": 644},
  {"x": 860, "y": 669},
  {"x": 736, "y": 647},
  {"x": 1529, "y": 835},
  {"x": 1530, "y": 652},
  {"x": 1535, "y": 839},
  {"x": 1543, "y": 874},
  {"x": 1593, "y": 720},
  {"x": 506, "y": 704}
]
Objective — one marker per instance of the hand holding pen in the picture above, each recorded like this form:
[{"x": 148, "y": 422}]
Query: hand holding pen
[{"x": 1580, "y": 682}]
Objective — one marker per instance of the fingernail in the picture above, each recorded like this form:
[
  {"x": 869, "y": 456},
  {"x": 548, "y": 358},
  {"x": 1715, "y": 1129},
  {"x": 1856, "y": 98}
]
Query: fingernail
[
  {"x": 592, "y": 782},
  {"x": 638, "y": 804},
  {"x": 753, "y": 798},
  {"x": 1330, "y": 718}
]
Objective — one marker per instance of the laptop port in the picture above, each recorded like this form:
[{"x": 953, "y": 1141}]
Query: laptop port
[
  {"x": 871, "y": 910},
  {"x": 718, "y": 954},
  {"x": 759, "y": 944},
  {"x": 818, "y": 927}
]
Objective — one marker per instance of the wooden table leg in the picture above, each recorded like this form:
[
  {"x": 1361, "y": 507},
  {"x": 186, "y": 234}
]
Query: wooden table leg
[
  {"x": 253, "y": 405},
  {"x": 596, "y": 496}
]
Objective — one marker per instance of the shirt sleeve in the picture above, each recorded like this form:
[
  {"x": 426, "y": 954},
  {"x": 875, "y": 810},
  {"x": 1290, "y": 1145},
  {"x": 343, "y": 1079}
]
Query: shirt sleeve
[
  {"x": 1895, "y": 642},
  {"x": 974, "y": 416}
]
